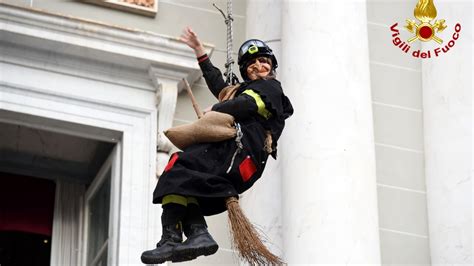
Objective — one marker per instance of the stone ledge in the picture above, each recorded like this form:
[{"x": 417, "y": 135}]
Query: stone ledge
[{"x": 114, "y": 44}]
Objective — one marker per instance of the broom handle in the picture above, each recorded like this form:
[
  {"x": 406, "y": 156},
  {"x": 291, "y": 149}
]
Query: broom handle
[{"x": 193, "y": 100}]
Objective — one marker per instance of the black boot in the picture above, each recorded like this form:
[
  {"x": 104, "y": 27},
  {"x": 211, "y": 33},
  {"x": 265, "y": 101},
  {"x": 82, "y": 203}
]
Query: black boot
[
  {"x": 199, "y": 242},
  {"x": 172, "y": 237}
]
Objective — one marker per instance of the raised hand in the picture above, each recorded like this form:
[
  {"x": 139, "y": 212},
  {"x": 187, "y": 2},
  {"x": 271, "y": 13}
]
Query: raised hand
[{"x": 190, "y": 38}]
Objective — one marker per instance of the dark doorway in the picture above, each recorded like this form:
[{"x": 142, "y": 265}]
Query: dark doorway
[
  {"x": 26, "y": 220},
  {"x": 21, "y": 249}
]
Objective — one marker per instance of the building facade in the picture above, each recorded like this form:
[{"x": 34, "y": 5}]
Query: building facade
[{"x": 374, "y": 167}]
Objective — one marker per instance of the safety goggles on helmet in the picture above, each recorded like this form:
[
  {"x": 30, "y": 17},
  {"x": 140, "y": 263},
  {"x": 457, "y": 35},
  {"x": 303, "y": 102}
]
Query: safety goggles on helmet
[{"x": 252, "y": 49}]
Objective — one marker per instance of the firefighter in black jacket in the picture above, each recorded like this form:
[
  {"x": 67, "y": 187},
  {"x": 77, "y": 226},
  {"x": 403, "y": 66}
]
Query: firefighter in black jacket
[{"x": 196, "y": 182}]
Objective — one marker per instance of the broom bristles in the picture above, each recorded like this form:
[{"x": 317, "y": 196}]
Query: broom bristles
[{"x": 246, "y": 239}]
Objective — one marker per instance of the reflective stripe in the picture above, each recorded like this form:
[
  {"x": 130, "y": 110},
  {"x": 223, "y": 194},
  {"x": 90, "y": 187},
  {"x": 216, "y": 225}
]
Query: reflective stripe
[
  {"x": 262, "y": 110},
  {"x": 173, "y": 198},
  {"x": 192, "y": 200}
]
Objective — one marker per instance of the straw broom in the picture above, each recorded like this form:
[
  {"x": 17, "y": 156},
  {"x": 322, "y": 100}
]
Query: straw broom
[{"x": 245, "y": 237}]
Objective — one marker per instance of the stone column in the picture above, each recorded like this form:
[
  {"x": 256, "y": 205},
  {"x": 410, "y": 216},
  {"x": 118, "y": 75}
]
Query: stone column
[
  {"x": 447, "y": 107},
  {"x": 262, "y": 203},
  {"x": 327, "y": 149},
  {"x": 166, "y": 98}
]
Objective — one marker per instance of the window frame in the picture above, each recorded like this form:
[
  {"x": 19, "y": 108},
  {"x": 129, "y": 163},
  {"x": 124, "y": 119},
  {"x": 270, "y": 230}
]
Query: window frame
[{"x": 110, "y": 245}]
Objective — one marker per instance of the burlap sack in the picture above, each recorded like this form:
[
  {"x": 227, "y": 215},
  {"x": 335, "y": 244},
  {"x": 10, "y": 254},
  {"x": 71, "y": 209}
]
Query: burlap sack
[
  {"x": 228, "y": 93},
  {"x": 212, "y": 127}
]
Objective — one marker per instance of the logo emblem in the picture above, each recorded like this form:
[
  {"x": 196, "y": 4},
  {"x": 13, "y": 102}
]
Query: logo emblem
[
  {"x": 425, "y": 30},
  {"x": 425, "y": 12}
]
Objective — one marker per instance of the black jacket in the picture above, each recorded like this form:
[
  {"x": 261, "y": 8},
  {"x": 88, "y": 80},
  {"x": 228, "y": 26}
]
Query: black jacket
[{"x": 202, "y": 170}]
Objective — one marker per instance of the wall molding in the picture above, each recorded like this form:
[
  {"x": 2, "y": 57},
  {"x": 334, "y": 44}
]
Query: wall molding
[{"x": 111, "y": 44}]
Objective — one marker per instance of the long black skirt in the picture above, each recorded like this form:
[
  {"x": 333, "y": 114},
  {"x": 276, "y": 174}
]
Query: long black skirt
[{"x": 201, "y": 170}]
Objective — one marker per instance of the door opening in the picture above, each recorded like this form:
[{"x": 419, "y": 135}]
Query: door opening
[{"x": 26, "y": 220}]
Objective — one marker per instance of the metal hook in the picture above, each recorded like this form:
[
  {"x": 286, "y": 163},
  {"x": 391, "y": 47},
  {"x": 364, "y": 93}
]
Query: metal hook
[{"x": 222, "y": 12}]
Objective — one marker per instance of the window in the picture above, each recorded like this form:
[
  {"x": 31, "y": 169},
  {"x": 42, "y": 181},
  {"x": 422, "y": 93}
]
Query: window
[
  {"x": 98, "y": 233},
  {"x": 98, "y": 224}
]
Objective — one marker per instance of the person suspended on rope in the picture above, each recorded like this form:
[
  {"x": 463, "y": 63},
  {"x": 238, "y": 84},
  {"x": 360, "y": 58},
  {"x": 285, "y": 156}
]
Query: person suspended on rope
[{"x": 197, "y": 181}]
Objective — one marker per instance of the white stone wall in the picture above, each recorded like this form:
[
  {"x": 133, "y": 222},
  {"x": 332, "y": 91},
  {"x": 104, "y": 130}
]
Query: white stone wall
[
  {"x": 263, "y": 202},
  {"x": 396, "y": 82},
  {"x": 447, "y": 115},
  {"x": 328, "y": 162},
  {"x": 417, "y": 157},
  {"x": 398, "y": 128}
]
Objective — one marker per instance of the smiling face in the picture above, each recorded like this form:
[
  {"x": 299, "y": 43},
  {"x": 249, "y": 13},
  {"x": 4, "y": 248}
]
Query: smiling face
[{"x": 259, "y": 68}]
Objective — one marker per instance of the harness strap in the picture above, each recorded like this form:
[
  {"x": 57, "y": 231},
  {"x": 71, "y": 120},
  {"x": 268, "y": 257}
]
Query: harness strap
[{"x": 240, "y": 146}]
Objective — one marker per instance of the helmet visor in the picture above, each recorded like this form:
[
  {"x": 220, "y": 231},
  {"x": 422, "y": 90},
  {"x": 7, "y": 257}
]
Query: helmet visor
[{"x": 252, "y": 47}]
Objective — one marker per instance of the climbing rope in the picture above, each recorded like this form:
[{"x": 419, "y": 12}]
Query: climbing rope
[{"x": 231, "y": 78}]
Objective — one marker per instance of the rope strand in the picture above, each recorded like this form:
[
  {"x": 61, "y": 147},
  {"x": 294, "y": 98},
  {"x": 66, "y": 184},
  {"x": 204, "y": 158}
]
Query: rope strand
[
  {"x": 230, "y": 39},
  {"x": 231, "y": 78}
]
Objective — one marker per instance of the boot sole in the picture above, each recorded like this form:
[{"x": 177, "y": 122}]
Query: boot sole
[
  {"x": 146, "y": 260},
  {"x": 190, "y": 254}
]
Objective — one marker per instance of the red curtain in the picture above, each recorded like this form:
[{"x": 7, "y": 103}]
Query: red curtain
[{"x": 26, "y": 204}]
